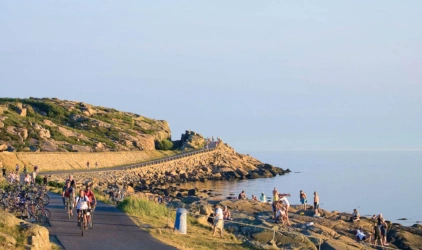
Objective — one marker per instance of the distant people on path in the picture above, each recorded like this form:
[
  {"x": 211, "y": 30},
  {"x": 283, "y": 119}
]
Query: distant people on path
[
  {"x": 87, "y": 165},
  {"x": 45, "y": 180},
  {"x": 263, "y": 198},
  {"x": 36, "y": 168},
  {"x": 12, "y": 177},
  {"x": 4, "y": 171},
  {"x": 25, "y": 170},
  {"x": 17, "y": 168},
  {"x": 27, "y": 179},
  {"x": 316, "y": 201},
  {"x": 355, "y": 215},
  {"x": 242, "y": 196},
  {"x": 276, "y": 195},
  {"x": 34, "y": 176},
  {"x": 303, "y": 199},
  {"x": 96, "y": 165},
  {"x": 226, "y": 214},
  {"x": 218, "y": 221}
]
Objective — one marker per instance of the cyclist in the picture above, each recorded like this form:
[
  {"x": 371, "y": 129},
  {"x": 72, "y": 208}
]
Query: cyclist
[
  {"x": 91, "y": 197},
  {"x": 72, "y": 181},
  {"x": 68, "y": 194},
  {"x": 82, "y": 203}
]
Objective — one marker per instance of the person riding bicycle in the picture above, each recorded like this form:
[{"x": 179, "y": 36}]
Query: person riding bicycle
[
  {"x": 91, "y": 197},
  {"x": 68, "y": 194},
  {"x": 71, "y": 181},
  {"x": 82, "y": 204}
]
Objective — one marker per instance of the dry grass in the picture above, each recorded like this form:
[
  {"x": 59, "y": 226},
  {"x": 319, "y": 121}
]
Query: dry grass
[{"x": 159, "y": 221}]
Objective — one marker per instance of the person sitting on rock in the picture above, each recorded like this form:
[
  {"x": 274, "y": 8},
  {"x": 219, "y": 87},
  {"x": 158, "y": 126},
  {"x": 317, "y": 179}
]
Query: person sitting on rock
[
  {"x": 355, "y": 215},
  {"x": 226, "y": 214},
  {"x": 242, "y": 196},
  {"x": 254, "y": 198},
  {"x": 360, "y": 234},
  {"x": 263, "y": 198}
]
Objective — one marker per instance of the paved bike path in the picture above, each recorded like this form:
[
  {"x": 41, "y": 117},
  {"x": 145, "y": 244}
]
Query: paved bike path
[{"x": 113, "y": 229}]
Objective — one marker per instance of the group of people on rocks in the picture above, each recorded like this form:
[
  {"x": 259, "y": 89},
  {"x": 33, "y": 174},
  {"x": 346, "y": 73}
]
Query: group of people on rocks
[
  {"x": 14, "y": 175},
  {"x": 378, "y": 234}
]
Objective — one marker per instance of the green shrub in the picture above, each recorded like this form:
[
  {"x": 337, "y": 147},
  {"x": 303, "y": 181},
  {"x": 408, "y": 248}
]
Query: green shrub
[
  {"x": 141, "y": 207},
  {"x": 165, "y": 144}
]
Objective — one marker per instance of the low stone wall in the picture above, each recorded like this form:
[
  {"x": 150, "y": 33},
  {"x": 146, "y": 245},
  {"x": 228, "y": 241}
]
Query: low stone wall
[{"x": 68, "y": 161}]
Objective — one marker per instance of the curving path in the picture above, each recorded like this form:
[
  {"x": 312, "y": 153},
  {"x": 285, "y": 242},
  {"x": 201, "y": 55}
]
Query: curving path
[
  {"x": 211, "y": 146},
  {"x": 113, "y": 229}
]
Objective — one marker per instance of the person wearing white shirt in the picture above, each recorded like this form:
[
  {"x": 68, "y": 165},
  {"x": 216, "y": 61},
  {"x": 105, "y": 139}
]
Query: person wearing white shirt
[
  {"x": 218, "y": 220},
  {"x": 286, "y": 203},
  {"x": 360, "y": 235},
  {"x": 82, "y": 204}
]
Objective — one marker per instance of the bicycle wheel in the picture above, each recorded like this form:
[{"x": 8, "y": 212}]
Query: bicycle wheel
[
  {"x": 82, "y": 223},
  {"x": 40, "y": 202},
  {"x": 47, "y": 212},
  {"x": 46, "y": 199},
  {"x": 91, "y": 221},
  {"x": 40, "y": 216}
]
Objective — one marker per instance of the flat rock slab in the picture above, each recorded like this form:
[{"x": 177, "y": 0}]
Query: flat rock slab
[{"x": 113, "y": 229}]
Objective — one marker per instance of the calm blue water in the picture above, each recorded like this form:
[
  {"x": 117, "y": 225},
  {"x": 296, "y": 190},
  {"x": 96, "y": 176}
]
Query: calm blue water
[{"x": 373, "y": 182}]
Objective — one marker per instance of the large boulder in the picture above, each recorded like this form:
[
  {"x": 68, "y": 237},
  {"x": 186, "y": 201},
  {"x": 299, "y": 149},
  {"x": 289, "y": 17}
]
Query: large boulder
[{"x": 48, "y": 146}]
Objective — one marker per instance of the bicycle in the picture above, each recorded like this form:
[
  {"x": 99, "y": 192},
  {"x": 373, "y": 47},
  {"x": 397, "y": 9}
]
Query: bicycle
[
  {"x": 68, "y": 206},
  {"x": 90, "y": 218},
  {"x": 82, "y": 219}
]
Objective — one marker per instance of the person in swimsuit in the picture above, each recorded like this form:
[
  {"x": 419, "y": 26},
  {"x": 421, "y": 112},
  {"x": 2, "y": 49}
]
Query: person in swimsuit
[
  {"x": 316, "y": 201},
  {"x": 303, "y": 200},
  {"x": 275, "y": 195},
  {"x": 355, "y": 215}
]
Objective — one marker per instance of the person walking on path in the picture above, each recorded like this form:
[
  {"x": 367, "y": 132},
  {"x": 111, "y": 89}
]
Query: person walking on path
[
  {"x": 96, "y": 164},
  {"x": 17, "y": 168},
  {"x": 316, "y": 201},
  {"x": 303, "y": 200},
  {"x": 218, "y": 221},
  {"x": 87, "y": 165},
  {"x": 3, "y": 170}
]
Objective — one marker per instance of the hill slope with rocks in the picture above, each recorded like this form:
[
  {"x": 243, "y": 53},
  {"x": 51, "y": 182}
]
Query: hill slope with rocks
[{"x": 53, "y": 125}]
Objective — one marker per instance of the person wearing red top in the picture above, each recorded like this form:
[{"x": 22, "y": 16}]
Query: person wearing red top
[{"x": 91, "y": 197}]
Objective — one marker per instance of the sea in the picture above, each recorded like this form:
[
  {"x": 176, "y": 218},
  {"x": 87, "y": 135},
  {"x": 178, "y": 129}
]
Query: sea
[{"x": 374, "y": 182}]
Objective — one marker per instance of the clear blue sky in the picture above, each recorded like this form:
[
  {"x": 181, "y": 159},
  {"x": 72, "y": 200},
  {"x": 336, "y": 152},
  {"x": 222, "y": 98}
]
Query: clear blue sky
[{"x": 263, "y": 75}]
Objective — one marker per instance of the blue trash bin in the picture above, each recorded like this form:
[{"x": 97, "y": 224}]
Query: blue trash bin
[{"x": 181, "y": 218}]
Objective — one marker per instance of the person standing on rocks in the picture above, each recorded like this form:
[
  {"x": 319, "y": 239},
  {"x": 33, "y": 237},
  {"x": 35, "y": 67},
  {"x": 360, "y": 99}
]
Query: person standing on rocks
[
  {"x": 276, "y": 195},
  {"x": 287, "y": 205},
  {"x": 316, "y": 201},
  {"x": 218, "y": 220},
  {"x": 303, "y": 200}
]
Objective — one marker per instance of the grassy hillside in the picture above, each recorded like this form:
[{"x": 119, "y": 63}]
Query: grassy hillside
[{"x": 35, "y": 124}]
